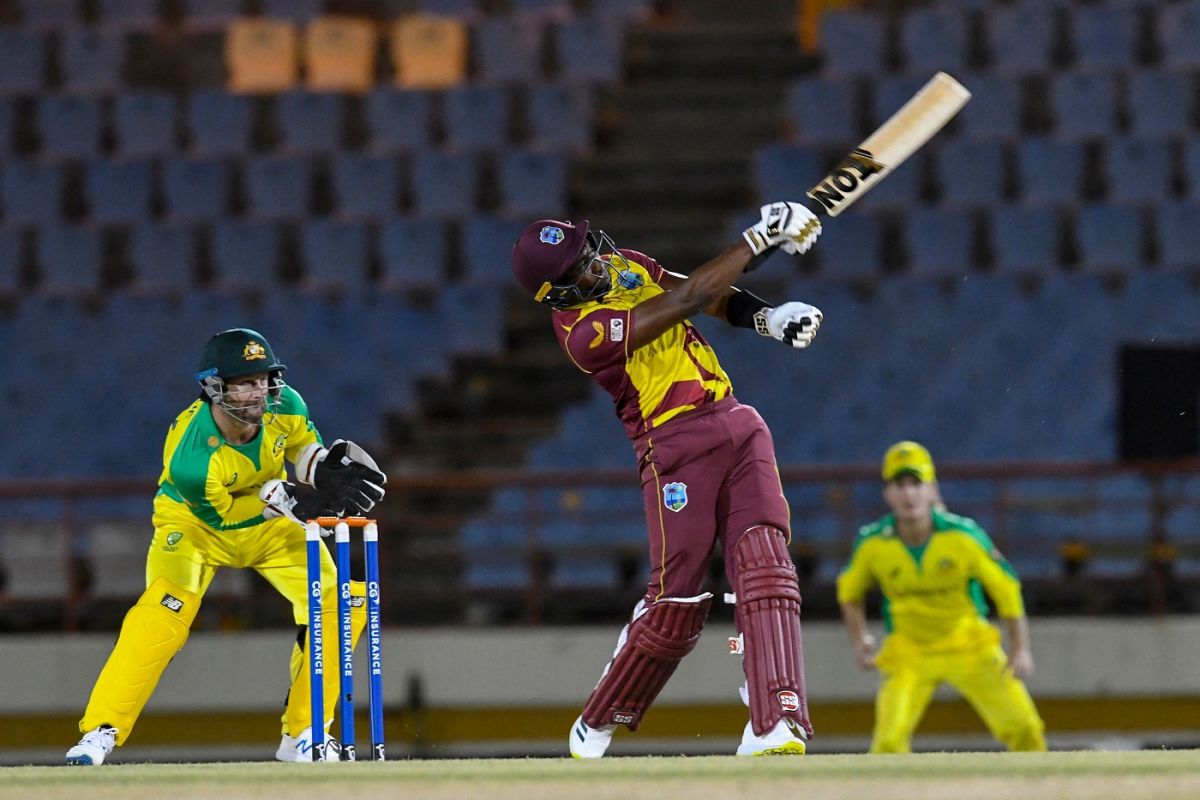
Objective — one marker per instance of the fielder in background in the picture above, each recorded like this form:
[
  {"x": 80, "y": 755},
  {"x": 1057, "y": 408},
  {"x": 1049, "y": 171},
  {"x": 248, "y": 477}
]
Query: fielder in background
[
  {"x": 933, "y": 568},
  {"x": 707, "y": 462},
  {"x": 224, "y": 501}
]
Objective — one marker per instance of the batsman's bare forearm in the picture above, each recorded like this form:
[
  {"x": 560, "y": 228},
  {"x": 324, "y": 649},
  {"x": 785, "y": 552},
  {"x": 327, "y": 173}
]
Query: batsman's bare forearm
[
  {"x": 706, "y": 289},
  {"x": 854, "y": 615}
]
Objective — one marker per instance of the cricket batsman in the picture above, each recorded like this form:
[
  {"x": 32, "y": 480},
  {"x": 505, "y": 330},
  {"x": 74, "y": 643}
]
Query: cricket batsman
[
  {"x": 933, "y": 568},
  {"x": 224, "y": 500},
  {"x": 706, "y": 462}
]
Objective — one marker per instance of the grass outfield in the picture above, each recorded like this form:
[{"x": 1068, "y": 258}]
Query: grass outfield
[{"x": 1143, "y": 775}]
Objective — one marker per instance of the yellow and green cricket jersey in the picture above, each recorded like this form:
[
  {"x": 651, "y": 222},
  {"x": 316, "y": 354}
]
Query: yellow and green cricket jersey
[
  {"x": 933, "y": 594},
  {"x": 218, "y": 482}
]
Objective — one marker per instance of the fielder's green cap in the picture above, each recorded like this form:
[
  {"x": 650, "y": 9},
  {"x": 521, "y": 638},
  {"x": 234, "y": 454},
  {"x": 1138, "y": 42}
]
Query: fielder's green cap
[{"x": 908, "y": 458}]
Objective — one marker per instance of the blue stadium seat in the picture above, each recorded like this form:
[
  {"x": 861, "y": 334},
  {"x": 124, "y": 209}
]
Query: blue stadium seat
[
  {"x": 852, "y": 250},
  {"x": 128, "y": 15},
  {"x": 852, "y": 42},
  {"x": 219, "y": 123},
  {"x": 476, "y": 117},
  {"x": 445, "y": 184},
  {"x": 162, "y": 256},
  {"x": 10, "y": 261},
  {"x": 1104, "y": 37},
  {"x": 8, "y": 124},
  {"x": 69, "y": 259},
  {"x": 245, "y": 254},
  {"x": 533, "y": 184},
  {"x": 582, "y": 573},
  {"x": 69, "y": 126},
  {"x": 1139, "y": 170},
  {"x": 485, "y": 242},
  {"x": 1020, "y": 37},
  {"x": 195, "y": 190},
  {"x": 1051, "y": 171},
  {"x": 560, "y": 116},
  {"x": 399, "y": 120},
  {"x": 91, "y": 61},
  {"x": 1160, "y": 103},
  {"x": 784, "y": 171},
  {"x": 1179, "y": 34},
  {"x": 555, "y": 9},
  {"x": 824, "y": 110},
  {"x": 30, "y": 192},
  {"x": 508, "y": 49},
  {"x": 971, "y": 173},
  {"x": 144, "y": 123},
  {"x": 890, "y": 92},
  {"x": 278, "y": 187},
  {"x": 1191, "y": 166},
  {"x": 589, "y": 49},
  {"x": 310, "y": 122},
  {"x": 118, "y": 192},
  {"x": 939, "y": 242},
  {"x": 497, "y": 575},
  {"x": 1178, "y": 227},
  {"x": 901, "y": 189},
  {"x": 22, "y": 61},
  {"x": 463, "y": 9},
  {"x": 296, "y": 10},
  {"x": 1084, "y": 105},
  {"x": 50, "y": 15},
  {"x": 365, "y": 186},
  {"x": 210, "y": 15},
  {"x": 1110, "y": 238},
  {"x": 1025, "y": 239},
  {"x": 995, "y": 108},
  {"x": 334, "y": 253},
  {"x": 933, "y": 39},
  {"x": 413, "y": 252},
  {"x": 481, "y": 304}
]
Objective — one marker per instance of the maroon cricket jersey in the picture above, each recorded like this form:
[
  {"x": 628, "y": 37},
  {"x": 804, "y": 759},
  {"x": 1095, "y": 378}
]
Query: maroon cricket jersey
[{"x": 675, "y": 373}]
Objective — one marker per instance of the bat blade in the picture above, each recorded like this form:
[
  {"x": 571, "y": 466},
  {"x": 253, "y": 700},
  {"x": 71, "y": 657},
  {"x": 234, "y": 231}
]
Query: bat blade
[{"x": 913, "y": 125}]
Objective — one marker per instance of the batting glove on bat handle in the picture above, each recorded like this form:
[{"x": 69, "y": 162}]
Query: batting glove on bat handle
[
  {"x": 795, "y": 324},
  {"x": 790, "y": 225}
]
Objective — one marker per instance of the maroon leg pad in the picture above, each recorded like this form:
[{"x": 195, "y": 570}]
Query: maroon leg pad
[
  {"x": 650, "y": 649},
  {"x": 768, "y": 614}
]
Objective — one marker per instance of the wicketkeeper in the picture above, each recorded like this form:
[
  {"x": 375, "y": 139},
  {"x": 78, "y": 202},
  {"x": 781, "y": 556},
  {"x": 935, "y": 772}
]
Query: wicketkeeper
[
  {"x": 707, "y": 462},
  {"x": 224, "y": 500},
  {"x": 933, "y": 568}
]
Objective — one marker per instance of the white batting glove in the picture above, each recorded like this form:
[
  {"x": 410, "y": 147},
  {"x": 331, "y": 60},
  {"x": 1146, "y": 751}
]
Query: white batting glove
[
  {"x": 789, "y": 225},
  {"x": 795, "y": 324}
]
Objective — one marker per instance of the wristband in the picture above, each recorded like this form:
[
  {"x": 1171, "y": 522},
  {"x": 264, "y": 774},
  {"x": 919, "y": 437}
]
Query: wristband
[{"x": 742, "y": 309}]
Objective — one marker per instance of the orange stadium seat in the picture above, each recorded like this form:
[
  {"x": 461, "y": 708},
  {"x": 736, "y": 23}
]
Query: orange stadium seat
[
  {"x": 339, "y": 54},
  {"x": 429, "y": 52},
  {"x": 261, "y": 55}
]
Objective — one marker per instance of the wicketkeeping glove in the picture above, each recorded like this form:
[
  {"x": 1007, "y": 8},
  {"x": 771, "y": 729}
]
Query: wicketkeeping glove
[
  {"x": 794, "y": 324},
  {"x": 790, "y": 225},
  {"x": 348, "y": 472},
  {"x": 297, "y": 502}
]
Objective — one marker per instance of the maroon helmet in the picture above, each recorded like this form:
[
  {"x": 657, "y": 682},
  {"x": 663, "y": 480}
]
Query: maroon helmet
[{"x": 551, "y": 258}]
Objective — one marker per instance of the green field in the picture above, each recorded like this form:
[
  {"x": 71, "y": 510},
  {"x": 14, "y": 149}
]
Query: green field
[{"x": 1143, "y": 775}]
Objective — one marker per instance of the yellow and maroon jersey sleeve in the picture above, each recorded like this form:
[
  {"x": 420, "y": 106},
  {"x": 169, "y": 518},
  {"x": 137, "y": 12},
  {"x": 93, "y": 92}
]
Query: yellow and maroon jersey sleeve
[{"x": 675, "y": 373}]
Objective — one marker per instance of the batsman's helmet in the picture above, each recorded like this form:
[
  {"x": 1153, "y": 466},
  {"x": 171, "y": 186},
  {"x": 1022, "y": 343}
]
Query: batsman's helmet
[
  {"x": 544, "y": 253},
  {"x": 236, "y": 352}
]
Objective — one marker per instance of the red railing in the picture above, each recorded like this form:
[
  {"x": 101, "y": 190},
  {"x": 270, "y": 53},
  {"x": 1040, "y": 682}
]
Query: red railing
[{"x": 848, "y": 494}]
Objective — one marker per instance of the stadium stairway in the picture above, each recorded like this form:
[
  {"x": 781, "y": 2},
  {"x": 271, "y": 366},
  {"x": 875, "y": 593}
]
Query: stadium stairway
[{"x": 702, "y": 92}]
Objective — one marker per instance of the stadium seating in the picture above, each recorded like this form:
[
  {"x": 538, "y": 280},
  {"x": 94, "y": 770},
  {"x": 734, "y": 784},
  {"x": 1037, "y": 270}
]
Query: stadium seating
[
  {"x": 476, "y": 117},
  {"x": 279, "y": 187},
  {"x": 245, "y": 254},
  {"x": 69, "y": 258},
  {"x": 484, "y": 238},
  {"x": 1139, "y": 170},
  {"x": 91, "y": 61},
  {"x": 310, "y": 122},
  {"x": 196, "y": 189},
  {"x": 1160, "y": 103},
  {"x": 1020, "y": 38},
  {"x": 22, "y": 56},
  {"x": 534, "y": 184},
  {"x": 1049, "y": 171},
  {"x": 852, "y": 42},
  {"x": 995, "y": 108},
  {"x": 69, "y": 127},
  {"x": 823, "y": 110},
  {"x": 399, "y": 120},
  {"x": 588, "y": 49},
  {"x": 211, "y": 15},
  {"x": 413, "y": 252},
  {"x": 1104, "y": 37},
  {"x": 296, "y": 10},
  {"x": 10, "y": 262},
  {"x": 1110, "y": 237},
  {"x": 118, "y": 192},
  {"x": 145, "y": 124},
  {"x": 508, "y": 49},
  {"x": 8, "y": 124},
  {"x": 445, "y": 184},
  {"x": 1084, "y": 104},
  {"x": 30, "y": 192},
  {"x": 128, "y": 15},
  {"x": 261, "y": 55},
  {"x": 971, "y": 173},
  {"x": 339, "y": 54},
  {"x": 49, "y": 15},
  {"x": 162, "y": 256},
  {"x": 218, "y": 124},
  {"x": 939, "y": 242},
  {"x": 365, "y": 186},
  {"x": 334, "y": 254},
  {"x": 934, "y": 39},
  {"x": 852, "y": 250},
  {"x": 561, "y": 117},
  {"x": 1178, "y": 28},
  {"x": 1024, "y": 239},
  {"x": 428, "y": 52},
  {"x": 781, "y": 170},
  {"x": 1178, "y": 230}
]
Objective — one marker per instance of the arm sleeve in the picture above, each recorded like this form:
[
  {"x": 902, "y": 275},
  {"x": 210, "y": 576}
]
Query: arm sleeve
[
  {"x": 600, "y": 339},
  {"x": 856, "y": 579},
  {"x": 999, "y": 579}
]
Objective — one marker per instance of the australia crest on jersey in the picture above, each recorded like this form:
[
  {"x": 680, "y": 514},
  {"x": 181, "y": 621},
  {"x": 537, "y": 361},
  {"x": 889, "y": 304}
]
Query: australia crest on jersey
[
  {"x": 551, "y": 234},
  {"x": 675, "y": 496}
]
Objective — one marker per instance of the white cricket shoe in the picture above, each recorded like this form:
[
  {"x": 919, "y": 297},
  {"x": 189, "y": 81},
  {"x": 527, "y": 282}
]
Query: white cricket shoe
[
  {"x": 92, "y": 749},
  {"x": 785, "y": 739},
  {"x": 299, "y": 748},
  {"x": 589, "y": 742}
]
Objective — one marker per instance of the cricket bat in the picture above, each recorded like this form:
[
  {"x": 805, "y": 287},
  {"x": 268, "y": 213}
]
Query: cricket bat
[{"x": 895, "y": 140}]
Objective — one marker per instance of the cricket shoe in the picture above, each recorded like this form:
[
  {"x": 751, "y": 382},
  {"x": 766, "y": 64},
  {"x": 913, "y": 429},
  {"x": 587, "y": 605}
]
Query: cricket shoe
[
  {"x": 785, "y": 739},
  {"x": 93, "y": 748},
  {"x": 589, "y": 742},
  {"x": 299, "y": 748}
]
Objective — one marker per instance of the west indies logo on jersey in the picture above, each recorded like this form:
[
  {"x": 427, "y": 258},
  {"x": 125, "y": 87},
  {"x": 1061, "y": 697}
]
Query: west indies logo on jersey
[
  {"x": 675, "y": 496},
  {"x": 629, "y": 279},
  {"x": 551, "y": 234},
  {"x": 254, "y": 351}
]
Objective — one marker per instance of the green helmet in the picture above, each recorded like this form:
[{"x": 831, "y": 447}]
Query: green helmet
[{"x": 236, "y": 352}]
